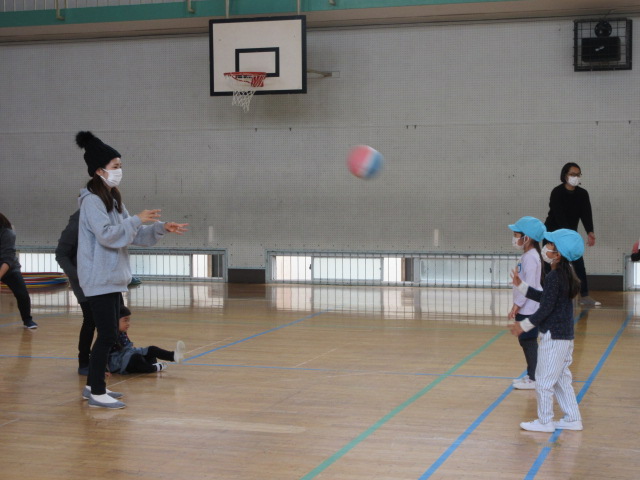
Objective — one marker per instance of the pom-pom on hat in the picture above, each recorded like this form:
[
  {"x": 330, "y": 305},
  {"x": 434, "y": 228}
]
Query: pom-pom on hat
[
  {"x": 568, "y": 242},
  {"x": 96, "y": 153},
  {"x": 531, "y": 227}
]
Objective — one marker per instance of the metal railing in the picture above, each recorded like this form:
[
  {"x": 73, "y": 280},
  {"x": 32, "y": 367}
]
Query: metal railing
[
  {"x": 473, "y": 270},
  {"x": 150, "y": 263}
]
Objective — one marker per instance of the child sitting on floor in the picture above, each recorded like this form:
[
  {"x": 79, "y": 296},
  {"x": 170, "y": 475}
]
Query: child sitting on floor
[{"x": 125, "y": 358}]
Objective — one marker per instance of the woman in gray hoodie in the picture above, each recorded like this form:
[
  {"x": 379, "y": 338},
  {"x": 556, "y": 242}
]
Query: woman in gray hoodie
[{"x": 105, "y": 231}]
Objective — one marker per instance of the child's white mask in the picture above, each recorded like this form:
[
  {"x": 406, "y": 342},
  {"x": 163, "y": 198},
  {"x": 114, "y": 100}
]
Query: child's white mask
[{"x": 544, "y": 252}]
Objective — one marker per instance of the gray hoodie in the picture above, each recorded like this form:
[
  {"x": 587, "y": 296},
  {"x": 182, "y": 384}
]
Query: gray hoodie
[{"x": 103, "y": 240}]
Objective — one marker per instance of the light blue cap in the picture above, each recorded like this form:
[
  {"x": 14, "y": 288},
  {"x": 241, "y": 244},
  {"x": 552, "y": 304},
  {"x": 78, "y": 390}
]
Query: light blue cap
[
  {"x": 531, "y": 227},
  {"x": 568, "y": 242}
]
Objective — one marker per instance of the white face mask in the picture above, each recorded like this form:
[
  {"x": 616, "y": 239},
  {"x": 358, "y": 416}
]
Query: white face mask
[
  {"x": 113, "y": 177},
  {"x": 573, "y": 181},
  {"x": 515, "y": 244},
  {"x": 544, "y": 252}
]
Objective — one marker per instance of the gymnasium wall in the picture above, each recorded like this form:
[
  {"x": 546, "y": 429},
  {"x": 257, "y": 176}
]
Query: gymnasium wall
[{"x": 475, "y": 122}]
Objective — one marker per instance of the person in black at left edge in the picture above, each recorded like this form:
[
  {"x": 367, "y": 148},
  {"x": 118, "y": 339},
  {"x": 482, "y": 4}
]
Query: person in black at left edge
[{"x": 10, "y": 273}]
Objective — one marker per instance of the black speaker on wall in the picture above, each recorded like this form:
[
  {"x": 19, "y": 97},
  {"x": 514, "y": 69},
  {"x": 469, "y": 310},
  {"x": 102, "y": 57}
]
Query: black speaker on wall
[{"x": 602, "y": 44}]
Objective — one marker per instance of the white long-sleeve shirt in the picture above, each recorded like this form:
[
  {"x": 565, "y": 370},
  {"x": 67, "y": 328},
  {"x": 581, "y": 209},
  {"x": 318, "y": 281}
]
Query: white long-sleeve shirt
[{"x": 529, "y": 268}]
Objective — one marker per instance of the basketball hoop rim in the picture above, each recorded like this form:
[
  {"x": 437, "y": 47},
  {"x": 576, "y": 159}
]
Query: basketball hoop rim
[
  {"x": 255, "y": 79},
  {"x": 248, "y": 74}
]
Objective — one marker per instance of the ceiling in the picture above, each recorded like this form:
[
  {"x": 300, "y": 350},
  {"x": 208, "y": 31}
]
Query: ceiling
[{"x": 343, "y": 17}]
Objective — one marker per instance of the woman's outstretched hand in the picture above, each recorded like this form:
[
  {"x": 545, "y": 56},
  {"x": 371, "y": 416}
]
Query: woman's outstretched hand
[
  {"x": 149, "y": 215},
  {"x": 178, "y": 228}
]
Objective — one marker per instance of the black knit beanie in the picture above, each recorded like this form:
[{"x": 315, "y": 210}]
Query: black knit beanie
[{"x": 96, "y": 154}]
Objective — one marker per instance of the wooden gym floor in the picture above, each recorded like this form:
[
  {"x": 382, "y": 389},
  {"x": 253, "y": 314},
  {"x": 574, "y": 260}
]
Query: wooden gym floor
[{"x": 302, "y": 382}]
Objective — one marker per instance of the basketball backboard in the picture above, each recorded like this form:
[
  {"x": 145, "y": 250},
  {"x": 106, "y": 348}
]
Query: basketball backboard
[{"x": 275, "y": 45}]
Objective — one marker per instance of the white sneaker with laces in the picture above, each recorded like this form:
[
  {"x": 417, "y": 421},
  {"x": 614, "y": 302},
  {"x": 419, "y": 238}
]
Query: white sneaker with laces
[
  {"x": 536, "y": 426},
  {"x": 567, "y": 425},
  {"x": 527, "y": 384},
  {"x": 521, "y": 379}
]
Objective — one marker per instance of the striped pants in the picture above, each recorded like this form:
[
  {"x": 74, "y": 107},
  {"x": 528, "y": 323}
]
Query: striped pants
[{"x": 553, "y": 377}]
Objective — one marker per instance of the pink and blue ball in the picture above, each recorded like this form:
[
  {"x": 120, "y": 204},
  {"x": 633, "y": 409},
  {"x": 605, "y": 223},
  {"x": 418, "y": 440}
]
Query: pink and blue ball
[{"x": 364, "y": 161}]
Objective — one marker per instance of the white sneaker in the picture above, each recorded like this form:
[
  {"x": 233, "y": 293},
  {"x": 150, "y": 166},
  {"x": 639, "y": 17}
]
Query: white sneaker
[
  {"x": 160, "y": 366},
  {"x": 566, "y": 425},
  {"x": 105, "y": 401},
  {"x": 86, "y": 393},
  {"x": 536, "y": 426},
  {"x": 521, "y": 379},
  {"x": 178, "y": 354},
  {"x": 527, "y": 384},
  {"x": 589, "y": 302}
]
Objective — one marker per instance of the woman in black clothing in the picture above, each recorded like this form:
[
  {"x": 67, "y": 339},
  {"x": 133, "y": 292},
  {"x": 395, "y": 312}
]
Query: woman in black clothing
[
  {"x": 66, "y": 256},
  {"x": 10, "y": 273},
  {"x": 569, "y": 204}
]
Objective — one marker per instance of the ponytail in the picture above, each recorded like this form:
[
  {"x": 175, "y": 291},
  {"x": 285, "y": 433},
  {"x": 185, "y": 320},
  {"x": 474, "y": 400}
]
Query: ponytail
[{"x": 568, "y": 276}]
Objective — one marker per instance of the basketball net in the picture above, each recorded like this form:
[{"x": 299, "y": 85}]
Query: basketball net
[{"x": 244, "y": 85}]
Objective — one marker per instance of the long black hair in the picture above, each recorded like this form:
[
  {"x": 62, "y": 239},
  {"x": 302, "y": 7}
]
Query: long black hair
[
  {"x": 96, "y": 186},
  {"x": 565, "y": 171},
  {"x": 568, "y": 277}
]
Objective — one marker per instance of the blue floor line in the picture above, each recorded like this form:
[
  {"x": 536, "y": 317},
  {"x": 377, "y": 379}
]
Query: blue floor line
[
  {"x": 546, "y": 450},
  {"x": 452, "y": 448},
  {"x": 13, "y": 324},
  {"x": 258, "y": 334},
  {"x": 36, "y": 318},
  {"x": 302, "y": 369}
]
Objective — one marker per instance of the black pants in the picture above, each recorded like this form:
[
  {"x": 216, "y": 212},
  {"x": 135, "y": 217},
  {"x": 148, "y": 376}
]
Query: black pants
[
  {"x": 139, "y": 363},
  {"x": 530, "y": 349},
  {"x": 13, "y": 279},
  {"x": 106, "y": 314},
  {"x": 86, "y": 334},
  {"x": 581, "y": 273}
]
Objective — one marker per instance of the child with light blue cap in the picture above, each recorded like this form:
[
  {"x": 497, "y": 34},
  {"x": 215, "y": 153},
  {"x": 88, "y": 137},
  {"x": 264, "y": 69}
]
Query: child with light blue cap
[
  {"x": 554, "y": 318},
  {"x": 528, "y": 232}
]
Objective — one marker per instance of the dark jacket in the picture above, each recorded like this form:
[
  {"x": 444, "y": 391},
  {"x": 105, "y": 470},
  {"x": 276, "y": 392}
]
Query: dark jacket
[
  {"x": 8, "y": 248},
  {"x": 66, "y": 253},
  {"x": 122, "y": 352},
  {"x": 567, "y": 208},
  {"x": 556, "y": 308}
]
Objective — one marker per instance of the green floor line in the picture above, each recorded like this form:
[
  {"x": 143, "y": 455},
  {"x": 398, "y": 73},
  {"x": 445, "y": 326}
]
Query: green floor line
[{"x": 353, "y": 443}]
